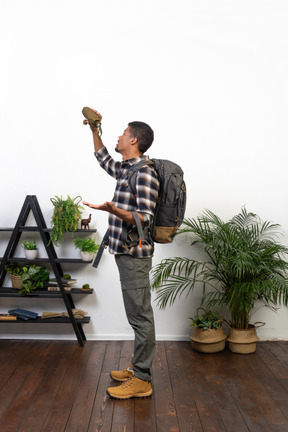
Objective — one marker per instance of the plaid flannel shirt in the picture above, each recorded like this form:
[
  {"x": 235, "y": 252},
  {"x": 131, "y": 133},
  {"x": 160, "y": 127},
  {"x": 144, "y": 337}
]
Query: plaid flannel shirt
[{"x": 147, "y": 186}]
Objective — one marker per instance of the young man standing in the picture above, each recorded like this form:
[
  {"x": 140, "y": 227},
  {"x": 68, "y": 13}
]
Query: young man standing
[{"x": 134, "y": 263}]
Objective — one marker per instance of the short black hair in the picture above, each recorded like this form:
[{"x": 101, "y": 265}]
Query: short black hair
[{"x": 143, "y": 133}]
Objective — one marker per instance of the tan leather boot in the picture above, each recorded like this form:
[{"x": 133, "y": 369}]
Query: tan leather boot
[
  {"x": 134, "y": 387},
  {"x": 123, "y": 375}
]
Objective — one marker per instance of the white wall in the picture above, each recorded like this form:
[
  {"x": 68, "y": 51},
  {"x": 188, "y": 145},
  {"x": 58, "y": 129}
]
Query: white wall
[{"x": 209, "y": 76}]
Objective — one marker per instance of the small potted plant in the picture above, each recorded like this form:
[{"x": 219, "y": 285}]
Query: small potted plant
[
  {"x": 208, "y": 335},
  {"x": 15, "y": 272},
  {"x": 88, "y": 247},
  {"x": 30, "y": 248},
  {"x": 66, "y": 215},
  {"x": 27, "y": 278},
  {"x": 85, "y": 287}
]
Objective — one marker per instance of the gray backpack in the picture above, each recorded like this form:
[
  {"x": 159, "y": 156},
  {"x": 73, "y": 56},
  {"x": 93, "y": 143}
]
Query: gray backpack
[{"x": 171, "y": 205}]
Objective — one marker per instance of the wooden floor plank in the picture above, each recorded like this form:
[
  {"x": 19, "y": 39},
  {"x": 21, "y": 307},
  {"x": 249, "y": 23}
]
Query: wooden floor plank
[
  {"x": 268, "y": 353},
  {"x": 283, "y": 345},
  {"x": 16, "y": 383},
  {"x": 12, "y": 356},
  {"x": 247, "y": 392},
  {"x": 123, "y": 415},
  {"x": 127, "y": 350},
  {"x": 38, "y": 408},
  {"x": 185, "y": 404},
  {"x": 61, "y": 407},
  {"x": 25, "y": 395},
  {"x": 201, "y": 389},
  {"x": 166, "y": 414},
  {"x": 227, "y": 408},
  {"x": 82, "y": 407},
  {"x": 280, "y": 355},
  {"x": 103, "y": 408},
  {"x": 272, "y": 385},
  {"x": 145, "y": 417}
]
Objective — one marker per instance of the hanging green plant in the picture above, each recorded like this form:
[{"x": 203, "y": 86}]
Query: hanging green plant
[{"x": 66, "y": 216}]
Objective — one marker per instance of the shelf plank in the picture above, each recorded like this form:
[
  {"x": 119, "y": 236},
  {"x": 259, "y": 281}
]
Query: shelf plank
[
  {"x": 36, "y": 228},
  {"x": 46, "y": 260},
  {"x": 39, "y": 320},
  {"x": 12, "y": 292}
]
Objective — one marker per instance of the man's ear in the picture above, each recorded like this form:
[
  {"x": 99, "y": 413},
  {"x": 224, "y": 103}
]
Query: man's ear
[{"x": 134, "y": 141}]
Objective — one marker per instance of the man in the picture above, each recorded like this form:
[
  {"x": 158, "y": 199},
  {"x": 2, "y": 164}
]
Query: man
[{"x": 134, "y": 263}]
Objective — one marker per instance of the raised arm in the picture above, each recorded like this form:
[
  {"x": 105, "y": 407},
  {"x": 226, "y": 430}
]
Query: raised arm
[{"x": 98, "y": 144}]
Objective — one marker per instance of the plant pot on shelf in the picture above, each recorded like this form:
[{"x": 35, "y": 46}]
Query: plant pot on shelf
[
  {"x": 16, "y": 281},
  {"x": 31, "y": 254},
  {"x": 86, "y": 256},
  {"x": 208, "y": 341},
  {"x": 243, "y": 341}
]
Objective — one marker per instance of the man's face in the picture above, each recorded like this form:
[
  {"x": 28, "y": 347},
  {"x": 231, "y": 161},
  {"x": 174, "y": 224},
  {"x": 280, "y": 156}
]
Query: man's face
[{"x": 124, "y": 141}]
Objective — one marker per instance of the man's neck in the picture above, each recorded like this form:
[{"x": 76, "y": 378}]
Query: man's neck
[{"x": 130, "y": 155}]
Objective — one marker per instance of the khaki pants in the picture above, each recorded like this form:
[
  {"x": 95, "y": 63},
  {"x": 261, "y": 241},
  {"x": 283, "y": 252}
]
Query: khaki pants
[{"x": 136, "y": 290}]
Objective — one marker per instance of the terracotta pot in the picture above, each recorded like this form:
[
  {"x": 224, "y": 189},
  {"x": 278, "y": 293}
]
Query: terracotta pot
[{"x": 208, "y": 341}]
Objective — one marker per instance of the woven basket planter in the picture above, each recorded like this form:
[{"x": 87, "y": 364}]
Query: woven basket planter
[
  {"x": 16, "y": 281},
  {"x": 208, "y": 341},
  {"x": 241, "y": 341}
]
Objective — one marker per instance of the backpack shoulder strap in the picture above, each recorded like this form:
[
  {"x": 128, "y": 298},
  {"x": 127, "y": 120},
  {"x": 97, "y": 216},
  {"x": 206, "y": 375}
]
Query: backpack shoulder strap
[
  {"x": 124, "y": 235},
  {"x": 133, "y": 169},
  {"x": 104, "y": 244}
]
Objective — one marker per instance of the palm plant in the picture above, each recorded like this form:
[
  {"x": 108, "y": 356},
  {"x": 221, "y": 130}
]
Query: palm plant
[{"x": 244, "y": 264}]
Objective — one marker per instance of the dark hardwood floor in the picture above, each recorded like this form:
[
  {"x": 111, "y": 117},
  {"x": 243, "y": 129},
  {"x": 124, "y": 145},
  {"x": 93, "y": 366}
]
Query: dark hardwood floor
[{"x": 59, "y": 386}]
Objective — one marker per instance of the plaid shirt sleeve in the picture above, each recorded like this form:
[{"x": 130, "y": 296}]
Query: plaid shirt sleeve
[{"x": 107, "y": 162}]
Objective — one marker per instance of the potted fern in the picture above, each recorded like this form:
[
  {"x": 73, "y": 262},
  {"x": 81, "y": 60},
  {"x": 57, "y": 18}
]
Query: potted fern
[
  {"x": 88, "y": 247},
  {"x": 244, "y": 266},
  {"x": 66, "y": 215}
]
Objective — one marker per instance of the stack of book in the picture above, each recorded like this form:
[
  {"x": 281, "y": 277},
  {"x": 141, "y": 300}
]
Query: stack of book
[
  {"x": 67, "y": 283},
  {"x": 23, "y": 314}
]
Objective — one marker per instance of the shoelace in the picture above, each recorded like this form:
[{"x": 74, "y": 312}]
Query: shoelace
[{"x": 128, "y": 382}]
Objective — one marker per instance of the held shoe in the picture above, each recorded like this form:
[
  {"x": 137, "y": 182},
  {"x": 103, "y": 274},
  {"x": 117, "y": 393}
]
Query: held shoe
[
  {"x": 123, "y": 375},
  {"x": 134, "y": 387}
]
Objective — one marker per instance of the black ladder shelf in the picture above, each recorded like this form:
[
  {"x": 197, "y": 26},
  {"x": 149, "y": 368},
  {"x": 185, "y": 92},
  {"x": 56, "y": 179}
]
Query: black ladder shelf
[{"x": 31, "y": 204}]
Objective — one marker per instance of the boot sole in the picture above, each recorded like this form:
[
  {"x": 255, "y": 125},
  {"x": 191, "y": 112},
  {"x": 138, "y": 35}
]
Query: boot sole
[{"x": 139, "y": 395}]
